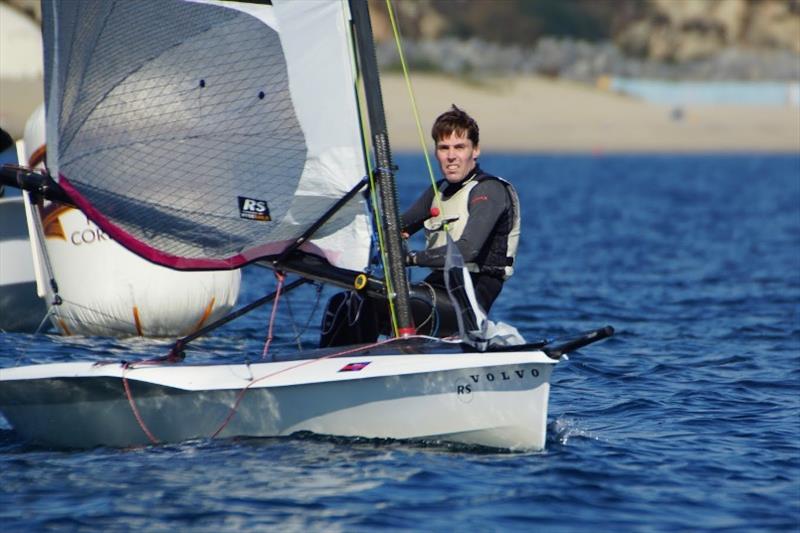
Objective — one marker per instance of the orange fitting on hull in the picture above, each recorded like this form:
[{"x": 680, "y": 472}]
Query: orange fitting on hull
[
  {"x": 206, "y": 314},
  {"x": 137, "y": 321}
]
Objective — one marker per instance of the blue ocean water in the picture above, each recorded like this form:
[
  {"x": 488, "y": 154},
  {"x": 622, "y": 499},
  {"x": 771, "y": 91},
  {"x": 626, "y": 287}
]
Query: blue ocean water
[{"x": 688, "y": 419}]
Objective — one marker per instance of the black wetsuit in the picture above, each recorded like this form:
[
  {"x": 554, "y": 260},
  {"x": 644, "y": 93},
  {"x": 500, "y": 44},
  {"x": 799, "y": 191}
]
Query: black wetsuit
[
  {"x": 351, "y": 319},
  {"x": 489, "y": 208}
]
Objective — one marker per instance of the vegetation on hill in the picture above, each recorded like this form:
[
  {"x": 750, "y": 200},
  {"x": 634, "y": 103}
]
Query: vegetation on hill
[{"x": 582, "y": 39}]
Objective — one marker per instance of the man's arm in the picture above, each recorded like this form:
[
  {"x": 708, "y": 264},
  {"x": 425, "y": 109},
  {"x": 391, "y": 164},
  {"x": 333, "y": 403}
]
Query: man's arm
[
  {"x": 487, "y": 202},
  {"x": 411, "y": 221}
]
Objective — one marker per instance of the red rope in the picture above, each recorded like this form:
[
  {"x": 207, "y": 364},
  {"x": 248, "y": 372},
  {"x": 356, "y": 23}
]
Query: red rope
[
  {"x": 307, "y": 362},
  {"x": 280, "y": 277},
  {"x": 240, "y": 395},
  {"x": 134, "y": 408},
  {"x": 125, "y": 368}
]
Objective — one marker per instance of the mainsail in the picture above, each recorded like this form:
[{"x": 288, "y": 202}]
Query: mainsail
[{"x": 205, "y": 134}]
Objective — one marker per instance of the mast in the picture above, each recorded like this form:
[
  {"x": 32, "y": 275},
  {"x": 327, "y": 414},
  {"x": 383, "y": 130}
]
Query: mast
[{"x": 384, "y": 173}]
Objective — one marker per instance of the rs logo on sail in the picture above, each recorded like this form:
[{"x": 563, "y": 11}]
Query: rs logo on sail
[{"x": 254, "y": 209}]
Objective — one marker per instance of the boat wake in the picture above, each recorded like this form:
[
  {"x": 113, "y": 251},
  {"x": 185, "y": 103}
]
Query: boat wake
[
  {"x": 561, "y": 430},
  {"x": 430, "y": 445}
]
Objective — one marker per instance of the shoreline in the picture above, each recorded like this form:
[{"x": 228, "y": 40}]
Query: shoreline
[
  {"x": 530, "y": 114},
  {"x": 535, "y": 114}
]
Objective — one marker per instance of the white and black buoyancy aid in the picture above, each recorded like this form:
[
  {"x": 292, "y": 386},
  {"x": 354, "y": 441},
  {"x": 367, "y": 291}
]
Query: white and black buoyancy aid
[{"x": 497, "y": 255}]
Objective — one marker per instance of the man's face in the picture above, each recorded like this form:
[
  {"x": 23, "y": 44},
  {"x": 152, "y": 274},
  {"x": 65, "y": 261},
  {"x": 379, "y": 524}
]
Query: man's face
[{"x": 456, "y": 155}]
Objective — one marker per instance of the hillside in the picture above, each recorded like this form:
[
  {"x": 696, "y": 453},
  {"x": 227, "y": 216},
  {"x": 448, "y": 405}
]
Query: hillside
[
  {"x": 672, "y": 30},
  {"x": 585, "y": 39}
]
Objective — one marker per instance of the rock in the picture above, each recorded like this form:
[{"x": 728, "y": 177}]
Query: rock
[
  {"x": 685, "y": 30},
  {"x": 775, "y": 24},
  {"x": 731, "y": 15}
]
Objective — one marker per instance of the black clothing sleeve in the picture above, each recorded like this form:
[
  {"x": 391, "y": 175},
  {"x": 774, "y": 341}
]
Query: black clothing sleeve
[
  {"x": 411, "y": 221},
  {"x": 488, "y": 200}
]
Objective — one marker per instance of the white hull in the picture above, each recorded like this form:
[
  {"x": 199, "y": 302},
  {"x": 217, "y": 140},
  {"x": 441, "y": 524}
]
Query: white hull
[{"x": 496, "y": 399}]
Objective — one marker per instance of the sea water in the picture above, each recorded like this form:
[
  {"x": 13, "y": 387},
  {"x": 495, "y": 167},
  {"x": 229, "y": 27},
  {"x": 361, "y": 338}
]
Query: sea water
[{"x": 687, "y": 419}]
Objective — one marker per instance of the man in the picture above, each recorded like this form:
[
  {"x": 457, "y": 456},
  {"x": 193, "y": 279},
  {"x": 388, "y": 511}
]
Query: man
[{"x": 480, "y": 212}]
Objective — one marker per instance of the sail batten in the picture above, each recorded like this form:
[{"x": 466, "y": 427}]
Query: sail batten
[{"x": 206, "y": 134}]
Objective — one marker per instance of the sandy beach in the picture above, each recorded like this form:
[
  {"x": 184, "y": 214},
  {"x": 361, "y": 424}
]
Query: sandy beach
[
  {"x": 536, "y": 114},
  {"x": 533, "y": 114}
]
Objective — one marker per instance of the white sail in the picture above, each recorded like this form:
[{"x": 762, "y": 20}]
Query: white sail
[{"x": 205, "y": 135}]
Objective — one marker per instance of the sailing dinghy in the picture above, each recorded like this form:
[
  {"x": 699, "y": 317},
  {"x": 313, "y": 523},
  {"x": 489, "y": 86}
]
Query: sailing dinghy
[{"x": 209, "y": 135}]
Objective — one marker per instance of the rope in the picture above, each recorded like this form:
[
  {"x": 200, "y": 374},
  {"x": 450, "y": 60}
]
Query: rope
[
  {"x": 280, "y": 278},
  {"x": 433, "y": 313},
  {"x": 300, "y": 333},
  {"x": 412, "y": 98},
  {"x": 241, "y": 393},
  {"x": 135, "y": 410}
]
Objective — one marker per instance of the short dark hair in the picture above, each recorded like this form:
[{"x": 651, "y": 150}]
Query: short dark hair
[{"x": 457, "y": 121}]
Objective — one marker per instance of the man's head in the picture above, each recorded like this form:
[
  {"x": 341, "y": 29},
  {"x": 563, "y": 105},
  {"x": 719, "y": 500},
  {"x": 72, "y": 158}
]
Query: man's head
[{"x": 456, "y": 136}]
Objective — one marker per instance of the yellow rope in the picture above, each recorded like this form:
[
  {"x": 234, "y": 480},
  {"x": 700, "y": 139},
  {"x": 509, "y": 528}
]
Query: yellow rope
[{"x": 396, "y": 32}]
